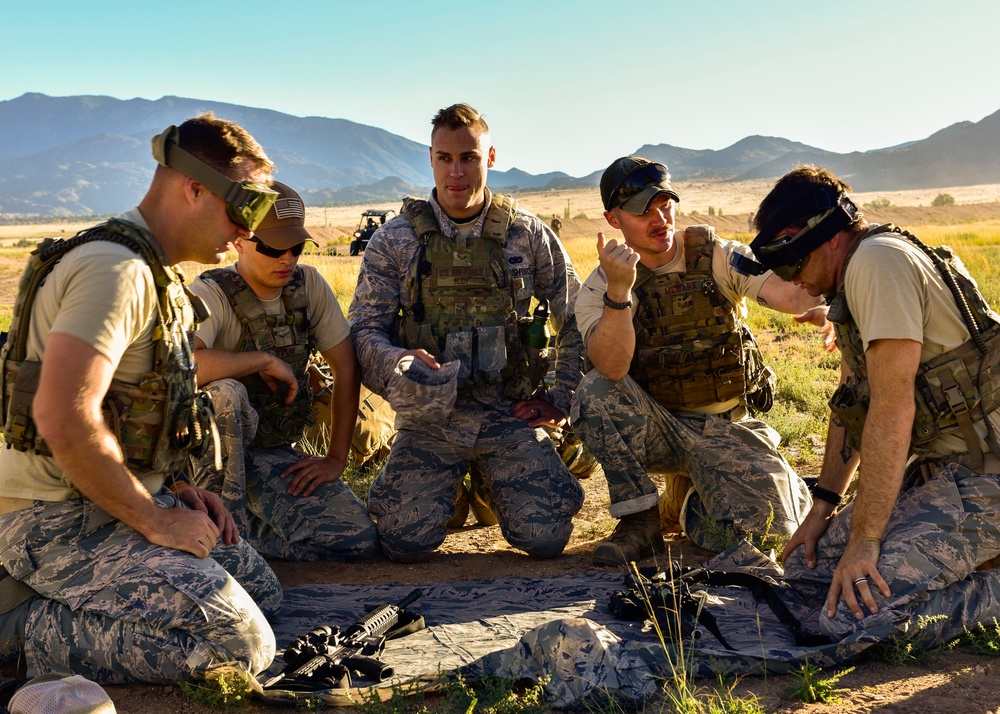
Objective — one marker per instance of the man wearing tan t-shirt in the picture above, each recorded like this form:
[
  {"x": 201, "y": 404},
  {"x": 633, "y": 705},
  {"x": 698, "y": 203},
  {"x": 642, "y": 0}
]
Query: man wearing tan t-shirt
[
  {"x": 142, "y": 577},
  {"x": 917, "y": 409},
  {"x": 675, "y": 370},
  {"x": 268, "y": 314}
]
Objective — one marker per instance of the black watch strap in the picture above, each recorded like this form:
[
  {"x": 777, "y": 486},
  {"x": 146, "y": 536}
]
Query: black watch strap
[
  {"x": 616, "y": 305},
  {"x": 825, "y": 494}
]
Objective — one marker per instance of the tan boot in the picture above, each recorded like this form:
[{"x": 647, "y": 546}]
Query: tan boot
[
  {"x": 461, "y": 508},
  {"x": 480, "y": 505},
  {"x": 672, "y": 500},
  {"x": 636, "y": 536}
]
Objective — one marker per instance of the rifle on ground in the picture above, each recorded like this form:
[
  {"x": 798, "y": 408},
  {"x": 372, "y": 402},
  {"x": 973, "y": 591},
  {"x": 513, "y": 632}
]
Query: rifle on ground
[{"x": 324, "y": 659}]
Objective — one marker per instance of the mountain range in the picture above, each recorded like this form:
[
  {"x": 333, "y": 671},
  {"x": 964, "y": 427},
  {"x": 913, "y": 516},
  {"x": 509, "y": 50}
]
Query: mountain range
[{"x": 82, "y": 155}]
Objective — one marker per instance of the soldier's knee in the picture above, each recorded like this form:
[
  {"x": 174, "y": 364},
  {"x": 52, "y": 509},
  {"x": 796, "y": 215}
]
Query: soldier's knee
[
  {"x": 541, "y": 543},
  {"x": 408, "y": 545}
]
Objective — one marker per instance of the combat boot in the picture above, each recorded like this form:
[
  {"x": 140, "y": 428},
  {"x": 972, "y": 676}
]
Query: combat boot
[
  {"x": 636, "y": 536},
  {"x": 461, "y": 508},
  {"x": 480, "y": 504},
  {"x": 675, "y": 491}
]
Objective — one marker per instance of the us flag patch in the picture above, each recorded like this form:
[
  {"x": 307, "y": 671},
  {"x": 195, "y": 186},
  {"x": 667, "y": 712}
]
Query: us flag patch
[{"x": 289, "y": 208}]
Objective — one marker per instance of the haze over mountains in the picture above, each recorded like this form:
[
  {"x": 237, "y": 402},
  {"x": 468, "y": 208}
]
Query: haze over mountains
[{"x": 90, "y": 154}]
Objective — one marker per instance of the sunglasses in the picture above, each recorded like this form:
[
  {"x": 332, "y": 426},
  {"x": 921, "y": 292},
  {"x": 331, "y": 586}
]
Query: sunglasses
[
  {"x": 637, "y": 180},
  {"x": 264, "y": 249},
  {"x": 770, "y": 253}
]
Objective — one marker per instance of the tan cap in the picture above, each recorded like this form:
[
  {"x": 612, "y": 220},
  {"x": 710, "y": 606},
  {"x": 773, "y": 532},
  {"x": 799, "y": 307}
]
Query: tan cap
[{"x": 284, "y": 225}]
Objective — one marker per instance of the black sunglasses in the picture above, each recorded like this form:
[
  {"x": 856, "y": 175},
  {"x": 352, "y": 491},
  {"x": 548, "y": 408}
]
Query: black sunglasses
[
  {"x": 264, "y": 249},
  {"x": 636, "y": 181}
]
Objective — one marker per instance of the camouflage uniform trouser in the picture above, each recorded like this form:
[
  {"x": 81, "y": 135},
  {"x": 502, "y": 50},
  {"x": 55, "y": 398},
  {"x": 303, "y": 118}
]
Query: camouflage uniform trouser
[
  {"x": 939, "y": 532},
  {"x": 117, "y": 608},
  {"x": 739, "y": 477},
  {"x": 329, "y": 524},
  {"x": 524, "y": 481}
]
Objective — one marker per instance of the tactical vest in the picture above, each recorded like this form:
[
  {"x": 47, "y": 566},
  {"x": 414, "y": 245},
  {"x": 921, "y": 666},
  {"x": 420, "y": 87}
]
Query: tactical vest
[
  {"x": 692, "y": 349},
  {"x": 955, "y": 389},
  {"x": 158, "y": 421},
  {"x": 288, "y": 337},
  {"x": 463, "y": 301}
]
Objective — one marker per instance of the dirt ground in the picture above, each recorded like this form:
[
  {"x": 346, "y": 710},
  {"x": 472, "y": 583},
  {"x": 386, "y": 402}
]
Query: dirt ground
[{"x": 949, "y": 683}]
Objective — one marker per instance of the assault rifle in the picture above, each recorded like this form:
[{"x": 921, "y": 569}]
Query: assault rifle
[{"x": 324, "y": 658}]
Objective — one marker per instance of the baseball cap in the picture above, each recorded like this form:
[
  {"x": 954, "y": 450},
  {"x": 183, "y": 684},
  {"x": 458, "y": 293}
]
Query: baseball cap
[
  {"x": 57, "y": 694},
  {"x": 419, "y": 392},
  {"x": 632, "y": 182},
  {"x": 284, "y": 225}
]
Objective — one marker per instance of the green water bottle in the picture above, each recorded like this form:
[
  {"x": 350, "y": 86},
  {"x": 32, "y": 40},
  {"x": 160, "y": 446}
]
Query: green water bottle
[{"x": 536, "y": 333}]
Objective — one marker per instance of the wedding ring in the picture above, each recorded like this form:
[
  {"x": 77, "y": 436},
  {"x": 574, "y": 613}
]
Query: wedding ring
[{"x": 862, "y": 579}]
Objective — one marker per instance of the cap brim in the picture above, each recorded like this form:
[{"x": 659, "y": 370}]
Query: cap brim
[
  {"x": 640, "y": 202},
  {"x": 285, "y": 237}
]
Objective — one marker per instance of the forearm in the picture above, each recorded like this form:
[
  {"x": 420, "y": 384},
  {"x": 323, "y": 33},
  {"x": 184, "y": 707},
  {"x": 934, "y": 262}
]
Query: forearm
[
  {"x": 840, "y": 461},
  {"x": 885, "y": 443},
  {"x": 216, "y": 364},
  {"x": 568, "y": 364},
  {"x": 611, "y": 345},
  {"x": 885, "y": 446},
  {"x": 91, "y": 459},
  {"x": 344, "y": 415}
]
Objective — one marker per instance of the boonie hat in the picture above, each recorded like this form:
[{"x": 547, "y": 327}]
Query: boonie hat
[
  {"x": 284, "y": 225},
  {"x": 56, "y": 694},
  {"x": 418, "y": 392},
  {"x": 632, "y": 182}
]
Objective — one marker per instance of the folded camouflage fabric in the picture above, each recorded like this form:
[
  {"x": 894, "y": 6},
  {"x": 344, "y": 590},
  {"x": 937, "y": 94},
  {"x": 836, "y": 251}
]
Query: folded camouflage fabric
[{"x": 419, "y": 392}]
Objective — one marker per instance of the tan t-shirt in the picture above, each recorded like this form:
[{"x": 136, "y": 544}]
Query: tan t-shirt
[
  {"x": 895, "y": 293},
  {"x": 103, "y": 294},
  {"x": 222, "y": 329},
  {"x": 734, "y": 286}
]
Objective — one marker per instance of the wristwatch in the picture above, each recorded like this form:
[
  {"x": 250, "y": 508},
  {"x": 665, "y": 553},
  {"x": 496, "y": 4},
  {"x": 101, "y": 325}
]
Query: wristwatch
[{"x": 616, "y": 305}]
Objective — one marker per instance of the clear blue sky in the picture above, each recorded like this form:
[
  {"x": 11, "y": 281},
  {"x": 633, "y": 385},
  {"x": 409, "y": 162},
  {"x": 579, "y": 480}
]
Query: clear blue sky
[{"x": 564, "y": 85}]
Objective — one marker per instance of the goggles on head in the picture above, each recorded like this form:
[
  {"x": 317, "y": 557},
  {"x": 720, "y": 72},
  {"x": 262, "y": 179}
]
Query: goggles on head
[
  {"x": 787, "y": 255},
  {"x": 638, "y": 180},
  {"x": 247, "y": 203},
  {"x": 264, "y": 249}
]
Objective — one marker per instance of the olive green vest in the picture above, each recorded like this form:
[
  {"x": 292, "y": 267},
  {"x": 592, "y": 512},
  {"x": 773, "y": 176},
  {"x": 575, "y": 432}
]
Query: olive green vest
[
  {"x": 136, "y": 413},
  {"x": 692, "y": 349},
  {"x": 463, "y": 301},
  {"x": 288, "y": 337},
  {"x": 954, "y": 390}
]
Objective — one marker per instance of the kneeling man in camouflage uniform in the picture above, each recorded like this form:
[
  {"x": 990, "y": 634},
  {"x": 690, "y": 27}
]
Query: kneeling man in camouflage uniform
[
  {"x": 918, "y": 408},
  {"x": 443, "y": 294},
  {"x": 101, "y": 411},
  {"x": 268, "y": 314},
  {"x": 675, "y": 369}
]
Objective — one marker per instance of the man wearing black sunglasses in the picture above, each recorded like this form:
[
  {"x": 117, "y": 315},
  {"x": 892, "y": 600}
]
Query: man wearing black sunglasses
[
  {"x": 268, "y": 315},
  {"x": 142, "y": 576},
  {"x": 443, "y": 295},
  {"x": 917, "y": 409},
  {"x": 676, "y": 373}
]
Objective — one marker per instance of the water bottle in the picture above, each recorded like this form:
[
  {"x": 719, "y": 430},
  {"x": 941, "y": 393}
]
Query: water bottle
[{"x": 536, "y": 333}]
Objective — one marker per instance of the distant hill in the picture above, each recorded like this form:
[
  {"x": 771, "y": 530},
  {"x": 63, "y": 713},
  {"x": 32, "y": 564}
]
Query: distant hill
[{"x": 90, "y": 154}]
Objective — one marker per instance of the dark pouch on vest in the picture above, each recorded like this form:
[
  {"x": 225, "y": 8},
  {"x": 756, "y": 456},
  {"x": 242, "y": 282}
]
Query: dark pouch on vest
[{"x": 850, "y": 404}]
